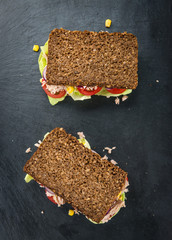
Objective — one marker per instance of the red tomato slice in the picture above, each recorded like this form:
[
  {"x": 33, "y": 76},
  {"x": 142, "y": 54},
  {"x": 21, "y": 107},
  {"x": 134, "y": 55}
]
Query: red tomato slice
[
  {"x": 58, "y": 95},
  {"x": 50, "y": 197},
  {"x": 88, "y": 93},
  {"x": 115, "y": 90}
]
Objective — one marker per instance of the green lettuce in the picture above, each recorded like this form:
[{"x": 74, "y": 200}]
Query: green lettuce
[
  {"x": 42, "y": 62},
  {"x": 84, "y": 142},
  {"x": 44, "y": 48},
  {"x": 76, "y": 95},
  {"x": 28, "y": 178},
  {"x": 54, "y": 101},
  {"x": 45, "y": 135},
  {"x": 105, "y": 93}
]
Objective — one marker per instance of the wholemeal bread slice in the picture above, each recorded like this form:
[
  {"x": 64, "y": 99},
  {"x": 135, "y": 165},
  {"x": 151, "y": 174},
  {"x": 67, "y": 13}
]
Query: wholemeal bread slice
[
  {"x": 86, "y": 58},
  {"x": 75, "y": 173}
]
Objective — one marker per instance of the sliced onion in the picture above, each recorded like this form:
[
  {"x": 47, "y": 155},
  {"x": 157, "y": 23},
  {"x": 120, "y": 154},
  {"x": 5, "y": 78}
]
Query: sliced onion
[
  {"x": 48, "y": 190},
  {"x": 44, "y": 73},
  {"x": 93, "y": 151},
  {"x": 108, "y": 211}
]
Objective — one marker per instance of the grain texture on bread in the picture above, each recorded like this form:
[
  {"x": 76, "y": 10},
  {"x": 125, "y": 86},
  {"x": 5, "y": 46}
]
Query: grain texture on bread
[
  {"x": 92, "y": 59},
  {"x": 75, "y": 173}
]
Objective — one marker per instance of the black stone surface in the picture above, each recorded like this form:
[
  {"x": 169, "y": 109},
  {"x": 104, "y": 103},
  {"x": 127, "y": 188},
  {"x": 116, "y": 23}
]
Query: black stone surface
[{"x": 140, "y": 128}]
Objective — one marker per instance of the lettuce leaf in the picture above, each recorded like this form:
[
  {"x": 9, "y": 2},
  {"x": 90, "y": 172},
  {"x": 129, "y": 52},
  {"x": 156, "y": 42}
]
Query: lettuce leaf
[
  {"x": 77, "y": 96},
  {"x": 54, "y": 101},
  {"x": 45, "y": 135},
  {"x": 105, "y": 93},
  {"x": 85, "y": 143},
  {"x": 28, "y": 178},
  {"x": 44, "y": 48},
  {"x": 42, "y": 62}
]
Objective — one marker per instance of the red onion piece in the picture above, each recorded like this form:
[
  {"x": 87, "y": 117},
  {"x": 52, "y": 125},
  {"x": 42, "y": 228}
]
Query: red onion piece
[
  {"x": 44, "y": 73},
  {"x": 48, "y": 190},
  {"x": 93, "y": 151}
]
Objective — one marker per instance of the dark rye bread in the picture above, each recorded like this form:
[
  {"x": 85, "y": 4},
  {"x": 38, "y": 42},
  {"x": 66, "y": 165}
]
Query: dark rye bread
[
  {"x": 92, "y": 59},
  {"x": 75, "y": 173}
]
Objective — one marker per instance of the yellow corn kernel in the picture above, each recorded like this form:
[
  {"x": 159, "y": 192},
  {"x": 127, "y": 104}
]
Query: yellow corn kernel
[
  {"x": 70, "y": 89},
  {"x": 36, "y": 48},
  {"x": 120, "y": 198},
  {"x": 40, "y": 80},
  {"x": 71, "y": 212},
  {"x": 108, "y": 23},
  {"x": 119, "y": 195}
]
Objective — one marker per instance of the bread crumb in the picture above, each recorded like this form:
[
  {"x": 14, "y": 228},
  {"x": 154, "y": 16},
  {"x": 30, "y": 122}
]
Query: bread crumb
[
  {"x": 28, "y": 150},
  {"x": 117, "y": 100},
  {"x": 157, "y": 81},
  {"x": 42, "y": 212},
  {"x": 124, "y": 98}
]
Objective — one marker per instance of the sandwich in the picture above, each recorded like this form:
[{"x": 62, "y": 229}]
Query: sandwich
[
  {"x": 72, "y": 173},
  {"x": 82, "y": 64}
]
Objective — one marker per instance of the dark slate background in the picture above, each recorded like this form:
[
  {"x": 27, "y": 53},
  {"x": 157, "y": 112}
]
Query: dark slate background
[{"x": 140, "y": 127}]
